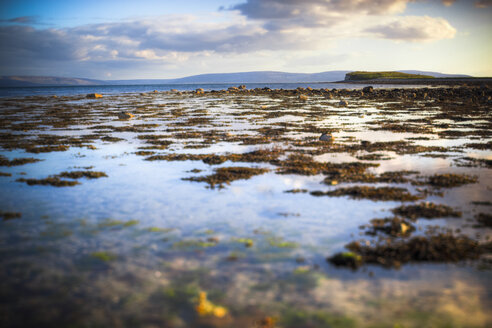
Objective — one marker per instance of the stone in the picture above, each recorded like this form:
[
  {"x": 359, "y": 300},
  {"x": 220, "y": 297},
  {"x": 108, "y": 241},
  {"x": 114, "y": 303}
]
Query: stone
[
  {"x": 343, "y": 103},
  {"x": 303, "y": 97},
  {"x": 326, "y": 137},
  {"x": 94, "y": 95},
  {"x": 368, "y": 89},
  {"x": 125, "y": 116}
]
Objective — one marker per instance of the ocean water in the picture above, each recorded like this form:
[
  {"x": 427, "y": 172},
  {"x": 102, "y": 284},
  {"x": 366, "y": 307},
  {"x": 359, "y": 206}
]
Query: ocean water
[{"x": 118, "y": 89}]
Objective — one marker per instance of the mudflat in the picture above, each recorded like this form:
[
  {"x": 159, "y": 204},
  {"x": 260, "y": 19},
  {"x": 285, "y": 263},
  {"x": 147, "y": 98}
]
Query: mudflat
[{"x": 226, "y": 208}]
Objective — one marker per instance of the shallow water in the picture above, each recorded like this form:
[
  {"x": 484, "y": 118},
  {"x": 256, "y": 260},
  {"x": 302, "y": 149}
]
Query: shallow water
[{"x": 134, "y": 248}]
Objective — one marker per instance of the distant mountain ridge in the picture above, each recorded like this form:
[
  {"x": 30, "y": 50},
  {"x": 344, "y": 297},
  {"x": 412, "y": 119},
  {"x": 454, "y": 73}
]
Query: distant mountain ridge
[
  {"x": 37, "y": 81},
  {"x": 241, "y": 77}
]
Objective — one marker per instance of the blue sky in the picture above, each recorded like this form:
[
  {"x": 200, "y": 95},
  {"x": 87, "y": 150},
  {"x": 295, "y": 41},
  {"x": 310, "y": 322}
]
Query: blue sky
[{"x": 167, "y": 39}]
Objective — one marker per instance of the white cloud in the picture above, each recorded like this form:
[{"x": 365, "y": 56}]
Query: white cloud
[{"x": 414, "y": 29}]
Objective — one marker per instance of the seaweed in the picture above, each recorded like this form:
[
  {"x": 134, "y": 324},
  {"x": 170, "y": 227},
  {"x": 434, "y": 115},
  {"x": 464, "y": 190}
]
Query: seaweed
[
  {"x": 395, "y": 227},
  {"x": 436, "y": 248},
  {"x": 450, "y": 180},
  {"x": 484, "y": 220},
  {"x": 51, "y": 181},
  {"x": 227, "y": 175},
  {"x": 104, "y": 256},
  {"x": 426, "y": 210},
  {"x": 82, "y": 174},
  {"x": 305, "y": 165},
  {"x": 17, "y": 161},
  {"x": 373, "y": 193},
  {"x": 10, "y": 215}
]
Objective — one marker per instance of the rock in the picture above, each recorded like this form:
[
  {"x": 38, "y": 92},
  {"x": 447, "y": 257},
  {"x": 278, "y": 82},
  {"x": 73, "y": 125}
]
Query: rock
[
  {"x": 348, "y": 259},
  {"x": 125, "y": 116},
  {"x": 326, "y": 137},
  {"x": 242, "y": 87},
  {"x": 94, "y": 95},
  {"x": 303, "y": 97},
  {"x": 232, "y": 89},
  {"x": 343, "y": 103},
  {"x": 368, "y": 89},
  {"x": 309, "y": 89},
  {"x": 174, "y": 90}
]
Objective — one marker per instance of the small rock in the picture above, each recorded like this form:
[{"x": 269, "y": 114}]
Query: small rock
[
  {"x": 125, "y": 116},
  {"x": 94, "y": 95},
  {"x": 368, "y": 89},
  {"x": 326, "y": 137},
  {"x": 343, "y": 103},
  {"x": 303, "y": 97}
]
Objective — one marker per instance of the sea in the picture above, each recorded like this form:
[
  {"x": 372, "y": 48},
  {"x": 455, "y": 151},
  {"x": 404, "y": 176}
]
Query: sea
[{"x": 137, "y": 88}]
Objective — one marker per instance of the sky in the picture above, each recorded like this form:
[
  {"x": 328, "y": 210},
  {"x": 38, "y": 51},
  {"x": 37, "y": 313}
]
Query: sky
[{"x": 147, "y": 39}]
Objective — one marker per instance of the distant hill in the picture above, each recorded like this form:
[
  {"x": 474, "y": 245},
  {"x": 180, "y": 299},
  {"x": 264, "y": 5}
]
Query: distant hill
[
  {"x": 361, "y": 76},
  {"x": 242, "y": 77},
  {"x": 36, "y": 81},
  {"x": 247, "y": 77}
]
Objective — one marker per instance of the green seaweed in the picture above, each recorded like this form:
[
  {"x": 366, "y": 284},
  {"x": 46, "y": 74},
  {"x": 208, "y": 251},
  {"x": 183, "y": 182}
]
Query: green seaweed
[
  {"x": 104, "y": 256},
  {"x": 114, "y": 223}
]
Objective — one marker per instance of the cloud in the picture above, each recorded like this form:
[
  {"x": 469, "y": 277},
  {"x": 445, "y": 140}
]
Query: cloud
[
  {"x": 255, "y": 27},
  {"x": 448, "y": 3},
  {"x": 22, "y": 42},
  {"x": 22, "y": 20},
  {"x": 281, "y": 14},
  {"x": 415, "y": 29},
  {"x": 164, "y": 42},
  {"x": 483, "y": 3}
]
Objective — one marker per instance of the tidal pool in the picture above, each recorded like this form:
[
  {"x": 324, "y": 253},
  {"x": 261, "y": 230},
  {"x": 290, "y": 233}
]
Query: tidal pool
[{"x": 208, "y": 215}]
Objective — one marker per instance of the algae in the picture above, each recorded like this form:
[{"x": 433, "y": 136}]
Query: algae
[{"x": 426, "y": 210}]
